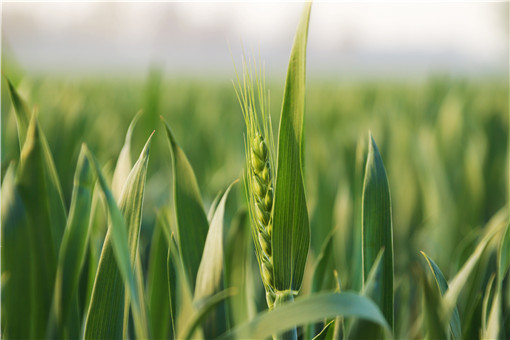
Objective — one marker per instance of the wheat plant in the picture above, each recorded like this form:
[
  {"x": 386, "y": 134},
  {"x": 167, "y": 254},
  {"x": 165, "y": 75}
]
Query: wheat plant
[{"x": 113, "y": 248}]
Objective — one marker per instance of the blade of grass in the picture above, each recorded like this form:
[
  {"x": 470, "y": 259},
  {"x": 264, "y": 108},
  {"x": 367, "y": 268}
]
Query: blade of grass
[
  {"x": 105, "y": 317},
  {"x": 124, "y": 164},
  {"x": 239, "y": 251},
  {"x": 16, "y": 261},
  {"x": 461, "y": 278},
  {"x": 210, "y": 273},
  {"x": 442, "y": 285},
  {"x": 204, "y": 307},
  {"x": 303, "y": 310},
  {"x": 74, "y": 242},
  {"x": 327, "y": 333},
  {"x": 291, "y": 234},
  {"x": 377, "y": 232},
  {"x": 364, "y": 329},
  {"x": 436, "y": 327},
  {"x": 22, "y": 112},
  {"x": 323, "y": 278},
  {"x": 192, "y": 222},
  {"x": 157, "y": 283},
  {"x": 46, "y": 218}
]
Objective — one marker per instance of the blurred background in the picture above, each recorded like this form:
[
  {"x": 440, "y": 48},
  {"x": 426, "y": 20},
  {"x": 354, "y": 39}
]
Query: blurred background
[
  {"x": 346, "y": 39},
  {"x": 430, "y": 80}
]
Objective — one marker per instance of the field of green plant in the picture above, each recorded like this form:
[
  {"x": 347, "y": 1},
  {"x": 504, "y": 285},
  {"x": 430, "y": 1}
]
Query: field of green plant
[{"x": 186, "y": 208}]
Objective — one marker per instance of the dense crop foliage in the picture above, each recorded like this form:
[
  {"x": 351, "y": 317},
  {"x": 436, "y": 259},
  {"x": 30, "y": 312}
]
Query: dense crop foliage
[{"x": 214, "y": 226}]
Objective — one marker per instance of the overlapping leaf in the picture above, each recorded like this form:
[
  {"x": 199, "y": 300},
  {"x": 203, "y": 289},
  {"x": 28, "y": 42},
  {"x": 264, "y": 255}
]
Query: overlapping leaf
[
  {"x": 105, "y": 318},
  {"x": 74, "y": 241},
  {"x": 211, "y": 271},
  {"x": 307, "y": 309},
  {"x": 192, "y": 222}
]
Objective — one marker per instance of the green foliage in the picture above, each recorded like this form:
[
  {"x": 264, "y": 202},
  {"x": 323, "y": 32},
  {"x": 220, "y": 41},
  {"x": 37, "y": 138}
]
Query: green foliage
[
  {"x": 192, "y": 222},
  {"x": 93, "y": 246},
  {"x": 105, "y": 317},
  {"x": 308, "y": 309},
  {"x": 377, "y": 232},
  {"x": 291, "y": 234}
]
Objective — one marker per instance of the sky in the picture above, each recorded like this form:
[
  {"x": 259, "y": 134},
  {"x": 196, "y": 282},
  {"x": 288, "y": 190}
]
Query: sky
[{"x": 345, "y": 38}]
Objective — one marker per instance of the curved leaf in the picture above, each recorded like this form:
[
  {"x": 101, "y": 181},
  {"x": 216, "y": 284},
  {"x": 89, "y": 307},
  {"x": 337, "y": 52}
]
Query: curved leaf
[
  {"x": 327, "y": 332},
  {"x": 461, "y": 278},
  {"x": 442, "y": 285},
  {"x": 308, "y": 309},
  {"x": 436, "y": 327},
  {"x": 205, "y": 305},
  {"x": 22, "y": 112}
]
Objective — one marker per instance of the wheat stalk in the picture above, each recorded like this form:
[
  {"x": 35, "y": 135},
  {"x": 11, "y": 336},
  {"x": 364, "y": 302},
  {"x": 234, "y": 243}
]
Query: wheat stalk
[{"x": 259, "y": 147}]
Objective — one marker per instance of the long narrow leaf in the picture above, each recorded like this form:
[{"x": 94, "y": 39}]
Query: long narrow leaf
[
  {"x": 192, "y": 222},
  {"x": 74, "y": 241},
  {"x": 123, "y": 166},
  {"x": 291, "y": 234},
  {"x": 442, "y": 285},
  {"x": 210, "y": 273},
  {"x": 16, "y": 262},
  {"x": 307, "y": 309},
  {"x": 377, "y": 232},
  {"x": 46, "y": 221},
  {"x": 157, "y": 283},
  {"x": 22, "y": 112},
  {"x": 461, "y": 278},
  {"x": 105, "y": 317}
]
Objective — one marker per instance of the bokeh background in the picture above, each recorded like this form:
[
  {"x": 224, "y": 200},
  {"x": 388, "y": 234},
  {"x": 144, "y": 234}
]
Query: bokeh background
[{"x": 431, "y": 81}]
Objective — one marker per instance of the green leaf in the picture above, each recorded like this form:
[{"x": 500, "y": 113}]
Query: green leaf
[
  {"x": 377, "y": 232},
  {"x": 171, "y": 272},
  {"x": 504, "y": 254},
  {"x": 212, "y": 208},
  {"x": 105, "y": 317},
  {"x": 180, "y": 291},
  {"x": 239, "y": 255},
  {"x": 359, "y": 175},
  {"x": 157, "y": 283},
  {"x": 303, "y": 310},
  {"x": 323, "y": 277},
  {"x": 124, "y": 164},
  {"x": 39, "y": 190},
  {"x": 485, "y": 302},
  {"x": 75, "y": 239},
  {"x": 22, "y": 112},
  {"x": 327, "y": 332},
  {"x": 210, "y": 273},
  {"x": 204, "y": 307},
  {"x": 436, "y": 327},
  {"x": 192, "y": 222},
  {"x": 291, "y": 234},
  {"x": 16, "y": 261},
  {"x": 442, "y": 285},
  {"x": 494, "y": 324},
  {"x": 461, "y": 278}
]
